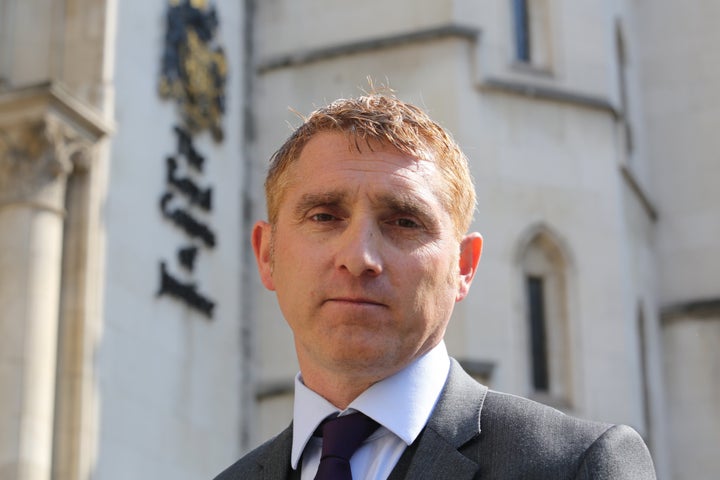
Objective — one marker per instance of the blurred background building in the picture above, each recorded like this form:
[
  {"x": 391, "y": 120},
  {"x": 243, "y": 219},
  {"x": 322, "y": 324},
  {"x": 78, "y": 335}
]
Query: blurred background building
[{"x": 135, "y": 338}]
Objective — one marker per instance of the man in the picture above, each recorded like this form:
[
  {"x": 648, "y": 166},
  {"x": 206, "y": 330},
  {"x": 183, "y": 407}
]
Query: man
[{"x": 369, "y": 202}]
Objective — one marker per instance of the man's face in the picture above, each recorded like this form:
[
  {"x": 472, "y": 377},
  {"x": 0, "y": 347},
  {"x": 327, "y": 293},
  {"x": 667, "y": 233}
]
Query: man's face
[{"x": 364, "y": 257}]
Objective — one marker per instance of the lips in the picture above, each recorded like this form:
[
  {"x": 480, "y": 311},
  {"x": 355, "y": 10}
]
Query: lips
[{"x": 360, "y": 301}]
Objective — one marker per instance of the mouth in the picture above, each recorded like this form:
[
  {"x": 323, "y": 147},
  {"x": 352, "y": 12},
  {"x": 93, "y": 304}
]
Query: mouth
[{"x": 355, "y": 301}]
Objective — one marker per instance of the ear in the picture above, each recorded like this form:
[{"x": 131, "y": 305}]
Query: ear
[
  {"x": 261, "y": 242},
  {"x": 470, "y": 252}
]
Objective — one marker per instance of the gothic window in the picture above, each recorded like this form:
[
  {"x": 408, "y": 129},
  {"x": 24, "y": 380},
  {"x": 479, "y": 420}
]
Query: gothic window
[
  {"x": 5, "y": 41},
  {"x": 544, "y": 272},
  {"x": 538, "y": 336},
  {"x": 531, "y": 27},
  {"x": 622, "y": 63},
  {"x": 522, "y": 30},
  {"x": 645, "y": 381}
]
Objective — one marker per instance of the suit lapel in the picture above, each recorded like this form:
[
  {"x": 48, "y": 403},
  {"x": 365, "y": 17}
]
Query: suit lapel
[
  {"x": 454, "y": 422},
  {"x": 434, "y": 454},
  {"x": 275, "y": 461}
]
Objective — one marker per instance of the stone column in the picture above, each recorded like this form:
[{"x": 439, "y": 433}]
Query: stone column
[
  {"x": 691, "y": 335},
  {"x": 36, "y": 157}
]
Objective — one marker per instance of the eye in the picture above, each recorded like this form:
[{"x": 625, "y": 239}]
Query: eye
[
  {"x": 323, "y": 217},
  {"x": 405, "y": 223}
]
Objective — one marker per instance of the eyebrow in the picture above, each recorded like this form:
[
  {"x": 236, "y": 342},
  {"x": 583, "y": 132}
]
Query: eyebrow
[
  {"x": 410, "y": 205},
  {"x": 396, "y": 202},
  {"x": 311, "y": 200},
  {"x": 405, "y": 203}
]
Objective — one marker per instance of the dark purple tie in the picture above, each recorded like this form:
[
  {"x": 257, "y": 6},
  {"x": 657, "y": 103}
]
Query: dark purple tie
[{"x": 341, "y": 437}]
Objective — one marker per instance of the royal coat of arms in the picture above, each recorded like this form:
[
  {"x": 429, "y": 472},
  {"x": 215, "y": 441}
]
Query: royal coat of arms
[{"x": 194, "y": 66}]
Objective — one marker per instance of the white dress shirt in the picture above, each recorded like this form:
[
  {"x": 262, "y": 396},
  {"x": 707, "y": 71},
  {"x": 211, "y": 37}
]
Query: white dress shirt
[{"x": 401, "y": 404}]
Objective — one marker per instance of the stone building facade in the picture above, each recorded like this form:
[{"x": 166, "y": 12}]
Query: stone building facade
[
  {"x": 135, "y": 338},
  {"x": 120, "y": 348}
]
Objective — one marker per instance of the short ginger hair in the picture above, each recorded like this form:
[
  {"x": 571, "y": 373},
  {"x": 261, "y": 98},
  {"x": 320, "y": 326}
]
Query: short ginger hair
[{"x": 382, "y": 118}]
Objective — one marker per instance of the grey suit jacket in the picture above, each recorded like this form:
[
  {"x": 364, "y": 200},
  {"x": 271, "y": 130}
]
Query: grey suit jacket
[{"x": 474, "y": 433}]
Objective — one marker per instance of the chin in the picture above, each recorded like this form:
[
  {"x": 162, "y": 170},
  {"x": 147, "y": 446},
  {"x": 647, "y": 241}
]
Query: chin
[{"x": 370, "y": 361}]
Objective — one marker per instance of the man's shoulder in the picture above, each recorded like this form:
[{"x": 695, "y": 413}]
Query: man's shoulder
[
  {"x": 544, "y": 439},
  {"x": 506, "y": 414},
  {"x": 251, "y": 464},
  {"x": 509, "y": 412},
  {"x": 247, "y": 466}
]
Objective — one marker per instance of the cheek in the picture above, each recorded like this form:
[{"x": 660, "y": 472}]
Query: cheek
[
  {"x": 436, "y": 285},
  {"x": 440, "y": 269},
  {"x": 297, "y": 271}
]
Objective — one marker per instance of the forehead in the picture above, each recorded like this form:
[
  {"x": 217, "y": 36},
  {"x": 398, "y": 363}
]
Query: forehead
[{"x": 335, "y": 161}]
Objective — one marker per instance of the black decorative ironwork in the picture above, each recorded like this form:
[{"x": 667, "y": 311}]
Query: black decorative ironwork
[
  {"x": 181, "y": 218},
  {"x": 193, "y": 196},
  {"x": 187, "y": 256},
  {"x": 196, "y": 195},
  {"x": 186, "y": 148},
  {"x": 194, "y": 74},
  {"x": 187, "y": 292}
]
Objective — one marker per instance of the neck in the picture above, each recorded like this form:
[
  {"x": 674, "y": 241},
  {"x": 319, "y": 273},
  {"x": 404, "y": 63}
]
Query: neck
[
  {"x": 340, "y": 390},
  {"x": 340, "y": 384}
]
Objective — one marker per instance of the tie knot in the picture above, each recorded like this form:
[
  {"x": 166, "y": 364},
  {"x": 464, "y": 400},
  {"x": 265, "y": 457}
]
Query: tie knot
[{"x": 343, "y": 435}]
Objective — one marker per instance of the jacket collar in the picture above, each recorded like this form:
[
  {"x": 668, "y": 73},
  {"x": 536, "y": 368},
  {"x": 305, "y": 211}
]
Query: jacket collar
[
  {"x": 454, "y": 422},
  {"x": 275, "y": 461},
  {"x": 435, "y": 454}
]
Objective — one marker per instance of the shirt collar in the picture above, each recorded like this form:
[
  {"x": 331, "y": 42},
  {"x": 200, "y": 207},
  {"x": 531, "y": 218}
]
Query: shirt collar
[{"x": 402, "y": 403}]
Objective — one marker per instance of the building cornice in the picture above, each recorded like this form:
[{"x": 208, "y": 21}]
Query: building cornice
[
  {"x": 544, "y": 92},
  {"x": 639, "y": 192},
  {"x": 32, "y": 103},
  {"x": 272, "y": 389},
  {"x": 45, "y": 134},
  {"x": 304, "y": 57},
  {"x": 702, "y": 309}
]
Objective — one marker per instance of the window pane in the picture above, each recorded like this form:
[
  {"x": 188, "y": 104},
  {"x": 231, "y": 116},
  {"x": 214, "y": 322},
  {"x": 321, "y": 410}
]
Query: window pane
[
  {"x": 522, "y": 30},
  {"x": 538, "y": 342}
]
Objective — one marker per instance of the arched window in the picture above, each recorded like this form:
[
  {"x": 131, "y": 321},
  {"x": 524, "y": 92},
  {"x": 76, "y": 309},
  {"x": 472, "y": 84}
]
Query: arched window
[
  {"x": 537, "y": 322},
  {"x": 644, "y": 380},
  {"x": 5, "y": 41},
  {"x": 544, "y": 268},
  {"x": 522, "y": 30},
  {"x": 622, "y": 64},
  {"x": 532, "y": 32}
]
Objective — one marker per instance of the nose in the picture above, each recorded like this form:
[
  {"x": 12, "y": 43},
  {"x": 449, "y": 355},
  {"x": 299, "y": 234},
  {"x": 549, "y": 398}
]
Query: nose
[{"x": 358, "y": 251}]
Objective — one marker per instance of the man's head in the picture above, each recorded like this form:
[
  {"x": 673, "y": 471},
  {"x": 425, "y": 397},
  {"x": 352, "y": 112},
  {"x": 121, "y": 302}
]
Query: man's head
[
  {"x": 366, "y": 248},
  {"x": 386, "y": 120}
]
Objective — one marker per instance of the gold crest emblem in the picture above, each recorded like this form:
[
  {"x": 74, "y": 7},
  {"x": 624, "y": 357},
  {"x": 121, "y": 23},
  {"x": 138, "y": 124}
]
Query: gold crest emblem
[{"x": 194, "y": 66}]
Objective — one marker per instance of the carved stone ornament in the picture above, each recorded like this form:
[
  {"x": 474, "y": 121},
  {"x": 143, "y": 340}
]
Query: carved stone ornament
[
  {"x": 45, "y": 133},
  {"x": 35, "y": 159},
  {"x": 194, "y": 67}
]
